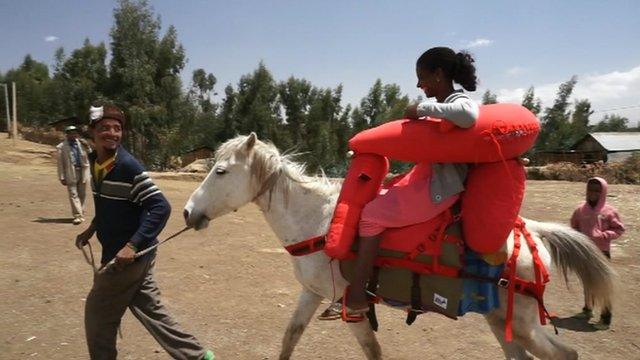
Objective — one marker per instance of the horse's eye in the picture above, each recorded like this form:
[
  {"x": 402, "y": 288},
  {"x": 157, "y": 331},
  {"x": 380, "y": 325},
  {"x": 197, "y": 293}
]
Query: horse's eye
[{"x": 220, "y": 171}]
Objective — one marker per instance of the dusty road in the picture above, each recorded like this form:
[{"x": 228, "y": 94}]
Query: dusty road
[{"x": 233, "y": 287}]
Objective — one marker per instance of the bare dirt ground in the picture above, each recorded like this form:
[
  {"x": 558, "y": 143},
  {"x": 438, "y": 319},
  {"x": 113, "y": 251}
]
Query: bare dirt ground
[{"x": 233, "y": 287}]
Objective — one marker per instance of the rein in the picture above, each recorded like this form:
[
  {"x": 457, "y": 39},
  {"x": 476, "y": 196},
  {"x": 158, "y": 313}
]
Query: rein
[
  {"x": 268, "y": 186},
  {"x": 89, "y": 258},
  {"x": 108, "y": 266}
]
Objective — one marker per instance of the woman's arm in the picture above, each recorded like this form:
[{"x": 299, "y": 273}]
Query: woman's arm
[{"x": 462, "y": 112}]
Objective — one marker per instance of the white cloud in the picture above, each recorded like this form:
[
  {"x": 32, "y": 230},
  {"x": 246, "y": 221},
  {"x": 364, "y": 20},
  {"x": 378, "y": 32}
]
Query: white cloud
[
  {"x": 516, "y": 70},
  {"x": 51, "y": 38},
  {"x": 613, "y": 90},
  {"x": 479, "y": 42}
]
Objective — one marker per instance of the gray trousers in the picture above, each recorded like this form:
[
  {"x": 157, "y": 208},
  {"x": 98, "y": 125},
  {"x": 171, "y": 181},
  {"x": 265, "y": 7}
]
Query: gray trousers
[
  {"x": 77, "y": 194},
  {"x": 133, "y": 287}
]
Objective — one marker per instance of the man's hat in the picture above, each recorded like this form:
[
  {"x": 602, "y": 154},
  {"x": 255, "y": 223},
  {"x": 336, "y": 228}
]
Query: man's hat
[
  {"x": 70, "y": 128},
  {"x": 105, "y": 112}
]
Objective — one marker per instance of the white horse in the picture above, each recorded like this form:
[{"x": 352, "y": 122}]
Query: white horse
[{"x": 299, "y": 207}]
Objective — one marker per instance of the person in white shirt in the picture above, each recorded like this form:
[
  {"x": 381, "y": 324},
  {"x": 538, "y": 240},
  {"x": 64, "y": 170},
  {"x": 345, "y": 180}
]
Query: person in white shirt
[{"x": 73, "y": 170}]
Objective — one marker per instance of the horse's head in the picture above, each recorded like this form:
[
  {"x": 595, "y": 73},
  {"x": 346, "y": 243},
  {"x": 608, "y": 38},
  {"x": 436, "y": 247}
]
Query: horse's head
[{"x": 242, "y": 166}]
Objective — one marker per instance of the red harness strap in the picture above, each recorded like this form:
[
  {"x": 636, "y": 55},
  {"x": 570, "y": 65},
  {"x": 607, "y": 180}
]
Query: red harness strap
[
  {"x": 541, "y": 274},
  {"x": 432, "y": 246},
  {"x": 307, "y": 247},
  {"x": 515, "y": 284}
]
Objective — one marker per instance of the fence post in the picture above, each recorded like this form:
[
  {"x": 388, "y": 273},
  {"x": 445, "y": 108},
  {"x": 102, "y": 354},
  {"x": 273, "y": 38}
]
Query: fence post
[{"x": 15, "y": 114}]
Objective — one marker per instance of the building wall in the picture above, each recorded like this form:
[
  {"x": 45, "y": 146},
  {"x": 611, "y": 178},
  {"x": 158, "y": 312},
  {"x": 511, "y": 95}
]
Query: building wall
[
  {"x": 589, "y": 144},
  {"x": 192, "y": 156},
  {"x": 546, "y": 158},
  {"x": 543, "y": 158},
  {"x": 619, "y": 156}
]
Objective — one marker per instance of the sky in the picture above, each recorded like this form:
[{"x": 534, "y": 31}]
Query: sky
[{"x": 516, "y": 44}]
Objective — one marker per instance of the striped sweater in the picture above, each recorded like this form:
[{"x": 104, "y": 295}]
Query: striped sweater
[{"x": 129, "y": 206}]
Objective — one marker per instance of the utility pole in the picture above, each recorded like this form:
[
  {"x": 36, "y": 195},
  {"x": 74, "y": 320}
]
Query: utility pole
[
  {"x": 15, "y": 114},
  {"x": 6, "y": 102}
]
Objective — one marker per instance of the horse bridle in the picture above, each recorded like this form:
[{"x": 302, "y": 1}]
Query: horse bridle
[{"x": 268, "y": 185}]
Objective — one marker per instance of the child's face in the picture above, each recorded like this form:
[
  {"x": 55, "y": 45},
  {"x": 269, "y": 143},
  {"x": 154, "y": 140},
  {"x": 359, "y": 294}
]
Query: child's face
[
  {"x": 594, "y": 189},
  {"x": 427, "y": 82}
]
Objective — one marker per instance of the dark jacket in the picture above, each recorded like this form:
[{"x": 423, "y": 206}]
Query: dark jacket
[{"x": 129, "y": 206}]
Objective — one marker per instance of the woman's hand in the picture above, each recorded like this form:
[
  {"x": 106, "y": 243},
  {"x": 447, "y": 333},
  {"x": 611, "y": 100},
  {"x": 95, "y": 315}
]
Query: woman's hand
[{"x": 411, "y": 112}]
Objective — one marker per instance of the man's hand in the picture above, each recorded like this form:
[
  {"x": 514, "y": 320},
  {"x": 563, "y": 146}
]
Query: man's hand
[
  {"x": 83, "y": 238},
  {"x": 125, "y": 256},
  {"x": 63, "y": 182},
  {"x": 411, "y": 112}
]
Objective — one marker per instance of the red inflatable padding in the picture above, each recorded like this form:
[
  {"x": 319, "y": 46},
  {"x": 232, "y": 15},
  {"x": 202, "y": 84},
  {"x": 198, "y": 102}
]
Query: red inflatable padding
[
  {"x": 360, "y": 186},
  {"x": 502, "y": 131},
  {"x": 491, "y": 203},
  {"x": 407, "y": 239}
]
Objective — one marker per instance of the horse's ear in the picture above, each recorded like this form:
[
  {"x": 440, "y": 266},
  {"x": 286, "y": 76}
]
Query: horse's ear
[{"x": 250, "y": 142}]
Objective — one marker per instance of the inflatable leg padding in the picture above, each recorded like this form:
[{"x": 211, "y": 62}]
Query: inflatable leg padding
[
  {"x": 491, "y": 203},
  {"x": 360, "y": 186},
  {"x": 502, "y": 131}
]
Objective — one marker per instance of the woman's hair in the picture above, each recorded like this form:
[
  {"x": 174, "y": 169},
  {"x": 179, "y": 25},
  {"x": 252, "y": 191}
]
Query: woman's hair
[{"x": 457, "y": 67}]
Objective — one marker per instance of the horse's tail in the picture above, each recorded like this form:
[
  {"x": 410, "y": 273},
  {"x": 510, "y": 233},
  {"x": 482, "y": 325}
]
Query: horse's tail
[{"x": 572, "y": 251}]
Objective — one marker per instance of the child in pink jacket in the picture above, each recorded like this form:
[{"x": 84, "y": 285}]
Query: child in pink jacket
[{"x": 602, "y": 224}]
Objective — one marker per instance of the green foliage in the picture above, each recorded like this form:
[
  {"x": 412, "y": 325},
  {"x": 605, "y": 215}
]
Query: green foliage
[
  {"x": 556, "y": 127},
  {"x": 80, "y": 79},
  {"x": 134, "y": 46},
  {"x": 489, "y": 98},
  {"x": 325, "y": 121},
  {"x": 383, "y": 103},
  {"x": 579, "y": 122},
  {"x": 612, "y": 123},
  {"x": 144, "y": 78},
  {"x": 227, "y": 119},
  {"x": 201, "y": 88},
  {"x": 530, "y": 101},
  {"x": 257, "y": 108},
  {"x": 295, "y": 97},
  {"x": 33, "y": 91},
  {"x": 316, "y": 125}
]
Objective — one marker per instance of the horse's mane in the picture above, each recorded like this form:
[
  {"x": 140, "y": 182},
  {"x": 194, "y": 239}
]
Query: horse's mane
[{"x": 267, "y": 159}]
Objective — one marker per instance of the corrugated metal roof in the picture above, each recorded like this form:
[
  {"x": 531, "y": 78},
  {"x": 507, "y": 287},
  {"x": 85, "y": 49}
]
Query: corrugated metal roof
[{"x": 618, "y": 141}]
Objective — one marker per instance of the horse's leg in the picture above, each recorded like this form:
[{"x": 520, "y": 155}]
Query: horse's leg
[
  {"x": 533, "y": 337},
  {"x": 367, "y": 339},
  {"x": 542, "y": 345},
  {"x": 512, "y": 350},
  {"x": 308, "y": 302},
  {"x": 570, "y": 353}
]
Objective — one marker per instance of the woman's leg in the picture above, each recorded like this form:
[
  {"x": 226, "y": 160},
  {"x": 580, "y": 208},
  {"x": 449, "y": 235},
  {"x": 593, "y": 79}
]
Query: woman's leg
[
  {"x": 399, "y": 206},
  {"x": 367, "y": 251}
]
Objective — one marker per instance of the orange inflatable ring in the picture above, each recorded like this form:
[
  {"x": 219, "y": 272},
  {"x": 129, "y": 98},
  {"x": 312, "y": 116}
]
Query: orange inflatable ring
[{"x": 502, "y": 131}]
